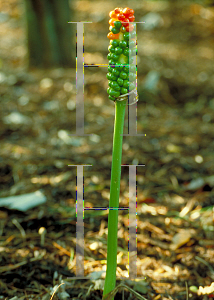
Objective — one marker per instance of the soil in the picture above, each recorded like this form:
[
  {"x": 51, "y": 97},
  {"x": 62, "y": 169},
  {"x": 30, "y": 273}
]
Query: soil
[{"x": 175, "y": 188}]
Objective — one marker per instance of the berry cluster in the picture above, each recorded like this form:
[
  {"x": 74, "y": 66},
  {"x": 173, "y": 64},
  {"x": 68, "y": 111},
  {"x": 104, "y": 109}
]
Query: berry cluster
[{"x": 120, "y": 49}]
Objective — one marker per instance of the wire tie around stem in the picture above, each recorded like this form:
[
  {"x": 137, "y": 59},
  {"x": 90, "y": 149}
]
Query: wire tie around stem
[{"x": 132, "y": 96}]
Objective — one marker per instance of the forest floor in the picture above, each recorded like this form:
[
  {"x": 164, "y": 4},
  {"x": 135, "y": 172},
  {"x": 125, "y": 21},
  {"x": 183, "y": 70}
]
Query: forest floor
[{"x": 175, "y": 188}]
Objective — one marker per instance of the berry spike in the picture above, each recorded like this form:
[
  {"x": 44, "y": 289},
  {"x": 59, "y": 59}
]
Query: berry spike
[{"x": 119, "y": 49}]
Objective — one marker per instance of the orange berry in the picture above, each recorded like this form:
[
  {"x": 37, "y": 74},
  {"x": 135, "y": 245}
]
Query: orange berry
[
  {"x": 112, "y": 14},
  {"x": 113, "y": 36},
  {"x": 111, "y": 21}
]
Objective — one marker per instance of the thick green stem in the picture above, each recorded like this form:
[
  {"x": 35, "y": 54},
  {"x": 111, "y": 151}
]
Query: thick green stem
[{"x": 110, "y": 280}]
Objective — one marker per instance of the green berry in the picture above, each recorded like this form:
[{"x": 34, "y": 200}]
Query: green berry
[
  {"x": 110, "y": 82},
  {"x": 123, "y": 59},
  {"x": 111, "y": 62},
  {"x": 113, "y": 93},
  {"x": 115, "y": 72},
  {"x": 108, "y": 76},
  {"x": 126, "y": 69},
  {"x": 123, "y": 75},
  {"x": 126, "y": 36},
  {"x": 133, "y": 34},
  {"x": 133, "y": 51},
  {"x": 109, "y": 56},
  {"x": 131, "y": 44},
  {"x": 110, "y": 69},
  {"x": 117, "y": 24},
  {"x": 111, "y": 98},
  {"x": 114, "y": 43},
  {"x": 111, "y": 77},
  {"x": 115, "y": 86},
  {"x": 115, "y": 30},
  {"x": 132, "y": 76},
  {"x": 124, "y": 91},
  {"x": 123, "y": 29},
  {"x": 111, "y": 49},
  {"x": 119, "y": 67},
  {"x": 120, "y": 81},
  {"x": 131, "y": 60},
  {"x": 114, "y": 57},
  {"x": 131, "y": 86},
  {"x": 127, "y": 51},
  {"x": 126, "y": 84},
  {"x": 133, "y": 68},
  {"x": 118, "y": 50},
  {"x": 122, "y": 44}
]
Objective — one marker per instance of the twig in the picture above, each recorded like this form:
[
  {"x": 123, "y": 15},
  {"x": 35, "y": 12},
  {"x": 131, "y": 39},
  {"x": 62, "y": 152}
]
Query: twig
[
  {"x": 205, "y": 263},
  {"x": 187, "y": 292},
  {"x": 21, "y": 229},
  {"x": 8, "y": 268}
]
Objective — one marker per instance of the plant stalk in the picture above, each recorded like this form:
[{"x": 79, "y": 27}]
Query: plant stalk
[{"x": 110, "y": 280}]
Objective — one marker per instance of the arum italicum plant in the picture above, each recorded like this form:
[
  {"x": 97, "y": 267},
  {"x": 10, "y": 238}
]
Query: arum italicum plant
[{"x": 120, "y": 82}]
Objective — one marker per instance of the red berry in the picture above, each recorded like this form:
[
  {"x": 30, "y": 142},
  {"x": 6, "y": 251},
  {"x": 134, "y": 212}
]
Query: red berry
[
  {"x": 130, "y": 28},
  {"x": 120, "y": 17},
  {"x": 126, "y": 11},
  {"x": 125, "y": 22},
  {"x": 117, "y": 10},
  {"x": 131, "y": 18}
]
